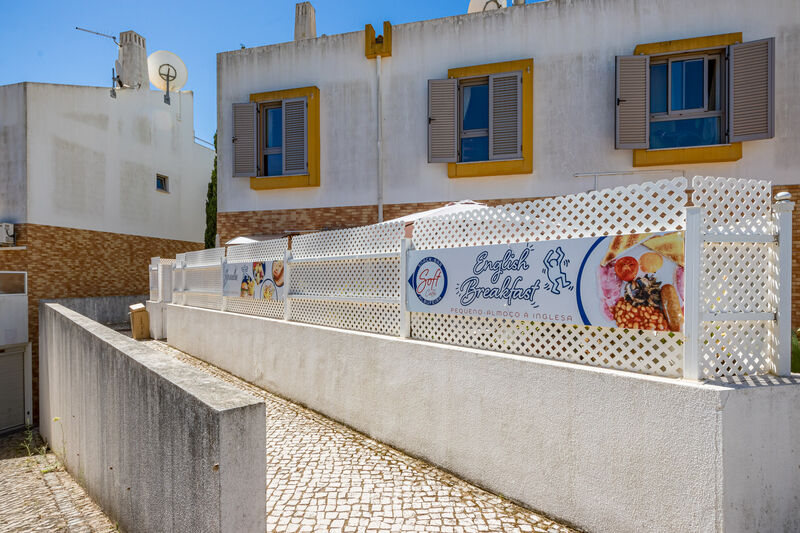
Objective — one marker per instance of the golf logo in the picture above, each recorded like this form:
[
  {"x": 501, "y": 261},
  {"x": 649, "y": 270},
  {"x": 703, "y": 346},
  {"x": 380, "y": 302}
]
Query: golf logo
[{"x": 429, "y": 281}]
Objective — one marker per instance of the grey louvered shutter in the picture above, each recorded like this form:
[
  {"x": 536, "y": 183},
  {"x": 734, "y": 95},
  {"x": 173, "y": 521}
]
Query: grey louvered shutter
[
  {"x": 245, "y": 159},
  {"x": 295, "y": 148},
  {"x": 632, "y": 116},
  {"x": 505, "y": 116},
  {"x": 442, "y": 117},
  {"x": 751, "y": 89}
]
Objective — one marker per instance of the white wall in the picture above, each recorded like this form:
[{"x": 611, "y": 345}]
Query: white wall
[
  {"x": 92, "y": 161},
  {"x": 602, "y": 449},
  {"x": 573, "y": 44},
  {"x": 13, "y": 204}
]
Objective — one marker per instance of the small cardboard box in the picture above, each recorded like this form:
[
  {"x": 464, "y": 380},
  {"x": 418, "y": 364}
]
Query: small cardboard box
[{"x": 140, "y": 322}]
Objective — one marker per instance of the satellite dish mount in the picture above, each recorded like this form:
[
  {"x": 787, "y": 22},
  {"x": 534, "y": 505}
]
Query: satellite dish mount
[{"x": 167, "y": 73}]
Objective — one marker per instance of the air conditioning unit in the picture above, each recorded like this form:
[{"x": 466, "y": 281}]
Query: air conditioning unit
[{"x": 6, "y": 233}]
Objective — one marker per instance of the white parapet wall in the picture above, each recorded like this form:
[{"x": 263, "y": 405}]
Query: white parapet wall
[
  {"x": 158, "y": 444},
  {"x": 602, "y": 449}
]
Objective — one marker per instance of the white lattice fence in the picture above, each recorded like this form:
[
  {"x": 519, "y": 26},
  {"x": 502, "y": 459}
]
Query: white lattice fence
[
  {"x": 738, "y": 277},
  {"x": 649, "y": 207},
  {"x": 272, "y": 250},
  {"x": 644, "y": 208},
  {"x": 202, "y": 278},
  {"x": 348, "y": 278},
  {"x": 645, "y": 352}
]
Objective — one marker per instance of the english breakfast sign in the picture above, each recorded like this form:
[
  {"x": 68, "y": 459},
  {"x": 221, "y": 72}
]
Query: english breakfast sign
[
  {"x": 259, "y": 280},
  {"x": 631, "y": 281}
]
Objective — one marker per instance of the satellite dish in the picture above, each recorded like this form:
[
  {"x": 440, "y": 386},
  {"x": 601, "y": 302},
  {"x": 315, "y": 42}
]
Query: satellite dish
[
  {"x": 167, "y": 72},
  {"x": 166, "y": 68},
  {"x": 478, "y": 6}
]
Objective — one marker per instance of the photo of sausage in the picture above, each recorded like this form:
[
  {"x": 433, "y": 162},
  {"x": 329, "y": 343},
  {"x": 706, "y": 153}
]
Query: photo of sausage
[{"x": 672, "y": 307}]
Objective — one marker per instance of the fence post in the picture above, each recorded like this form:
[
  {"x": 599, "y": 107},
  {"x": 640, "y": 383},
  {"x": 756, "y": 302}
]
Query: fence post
[
  {"x": 223, "y": 262},
  {"x": 405, "y": 316},
  {"x": 782, "y": 212},
  {"x": 691, "y": 295},
  {"x": 287, "y": 282}
]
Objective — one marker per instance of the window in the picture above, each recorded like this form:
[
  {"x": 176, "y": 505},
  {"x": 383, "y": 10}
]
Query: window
[
  {"x": 700, "y": 94},
  {"x": 276, "y": 139},
  {"x": 480, "y": 119},
  {"x": 271, "y": 119},
  {"x": 474, "y": 119},
  {"x": 685, "y": 101},
  {"x": 162, "y": 183}
]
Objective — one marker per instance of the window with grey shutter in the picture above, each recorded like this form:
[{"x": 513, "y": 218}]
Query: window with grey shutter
[
  {"x": 751, "y": 90},
  {"x": 244, "y": 140},
  {"x": 295, "y": 149},
  {"x": 442, "y": 116},
  {"x": 632, "y": 115},
  {"x": 505, "y": 116}
]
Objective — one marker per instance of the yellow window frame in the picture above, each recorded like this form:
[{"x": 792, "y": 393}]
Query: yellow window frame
[
  {"x": 719, "y": 153},
  {"x": 311, "y": 179},
  {"x": 510, "y": 166}
]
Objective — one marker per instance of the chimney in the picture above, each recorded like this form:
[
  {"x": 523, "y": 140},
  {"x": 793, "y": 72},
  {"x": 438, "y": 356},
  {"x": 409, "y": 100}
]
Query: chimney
[
  {"x": 305, "y": 21},
  {"x": 133, "y": 59}
]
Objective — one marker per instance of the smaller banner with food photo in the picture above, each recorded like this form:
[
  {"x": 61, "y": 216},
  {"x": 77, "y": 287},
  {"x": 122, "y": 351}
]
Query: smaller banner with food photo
[
  {"x": 260, "y": 280},
  {"x": 629, "y": 281}
]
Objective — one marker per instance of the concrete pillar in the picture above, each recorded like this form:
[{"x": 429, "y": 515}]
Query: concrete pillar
[
  {"x": 133, "y": 57},
  {"x": 305, "y": 21}
]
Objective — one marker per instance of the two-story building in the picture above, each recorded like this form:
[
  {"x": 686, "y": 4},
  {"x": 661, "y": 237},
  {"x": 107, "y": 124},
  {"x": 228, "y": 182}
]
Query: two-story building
[
  {"x": 543, "y": 99},
  {"x": 92, "y": 187}
]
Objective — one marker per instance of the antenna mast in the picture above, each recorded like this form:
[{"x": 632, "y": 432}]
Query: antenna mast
[{"x": 98, "y": 33}]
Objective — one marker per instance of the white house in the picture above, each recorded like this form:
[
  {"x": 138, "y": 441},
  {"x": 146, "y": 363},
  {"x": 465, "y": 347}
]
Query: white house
[{"x": 93, "y": 186}]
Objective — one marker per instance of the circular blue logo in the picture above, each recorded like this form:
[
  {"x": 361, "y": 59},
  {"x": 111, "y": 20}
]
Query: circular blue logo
[{"x": 430, "y": 281}]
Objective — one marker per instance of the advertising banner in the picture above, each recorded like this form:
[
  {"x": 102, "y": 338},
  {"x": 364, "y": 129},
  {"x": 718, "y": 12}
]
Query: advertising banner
[
  {"x": 629, "y": 281},
  {"x": 261, "y": 280}
]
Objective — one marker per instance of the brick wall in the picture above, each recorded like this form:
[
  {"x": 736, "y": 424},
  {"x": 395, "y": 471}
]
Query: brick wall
[
  {"x": 278, "y": 221},
  {"x": 70, "y": 263},
  {"x": 795, "y": 190}
]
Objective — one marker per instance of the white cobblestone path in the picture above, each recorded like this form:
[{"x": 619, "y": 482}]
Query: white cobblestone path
[{"x": 323, "y": 476}]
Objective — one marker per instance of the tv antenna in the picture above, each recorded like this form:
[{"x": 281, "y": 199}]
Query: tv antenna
[{"x": 98, "y": 33}]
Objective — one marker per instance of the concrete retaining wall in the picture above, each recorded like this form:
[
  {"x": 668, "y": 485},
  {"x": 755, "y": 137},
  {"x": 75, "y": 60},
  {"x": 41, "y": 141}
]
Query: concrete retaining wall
[
  {"x": 103, "y": 309},
  {"x": 158, "y": 444},
  {"x": 604, "y": 450}
]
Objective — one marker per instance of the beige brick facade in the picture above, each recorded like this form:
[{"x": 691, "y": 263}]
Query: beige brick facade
[{"x": 72, "y": 263}]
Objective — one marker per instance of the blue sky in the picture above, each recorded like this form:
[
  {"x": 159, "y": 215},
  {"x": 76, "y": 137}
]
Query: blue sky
[{"x": 39, "y": 41}]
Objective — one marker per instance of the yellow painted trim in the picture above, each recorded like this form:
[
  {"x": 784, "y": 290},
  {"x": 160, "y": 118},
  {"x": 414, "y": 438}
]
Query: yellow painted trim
[
  {"x": 304, "y": 180},
  {"x": 694, "y": 43},
  {"x": 503, "y": 167},
  {"x": 698, "y": 154},
  {"x": 380, "y": 45}
]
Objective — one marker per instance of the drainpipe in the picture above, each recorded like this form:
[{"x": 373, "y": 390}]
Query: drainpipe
[{"x": 379, "y": 139}]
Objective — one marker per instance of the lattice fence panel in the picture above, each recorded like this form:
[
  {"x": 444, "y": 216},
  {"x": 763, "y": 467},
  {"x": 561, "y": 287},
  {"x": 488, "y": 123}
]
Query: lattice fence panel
[
  {"x": 639, "y": 208},
  {"x": 212, "y": 256},
  {"x": 203, "y": 279},
  {"x": 734, "y": 206},
  {"x": 374, "y": 239},
  {"x": 366, "y": 278},
  {"x": 153, "y": 284},
  {"x": 644, "y": 352},
  {"x": 743, "y": 348},
  {"x": 251, "y": 306},
  {"x": 198, "y": 299},
  {"x": 371, "y": 317},
  {"x": 258, "y": 251},
  {"x": 738, "y": 277}
]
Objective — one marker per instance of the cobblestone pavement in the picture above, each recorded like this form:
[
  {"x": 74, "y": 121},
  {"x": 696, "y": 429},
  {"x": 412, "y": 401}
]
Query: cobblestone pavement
[
  {"x": 323, "y": 476},
  {"x": 36, "y": 494}
]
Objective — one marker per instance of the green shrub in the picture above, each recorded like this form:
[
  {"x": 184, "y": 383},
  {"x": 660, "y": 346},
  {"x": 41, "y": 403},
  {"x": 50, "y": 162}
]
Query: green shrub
[{"x": 795, "y": 352}]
